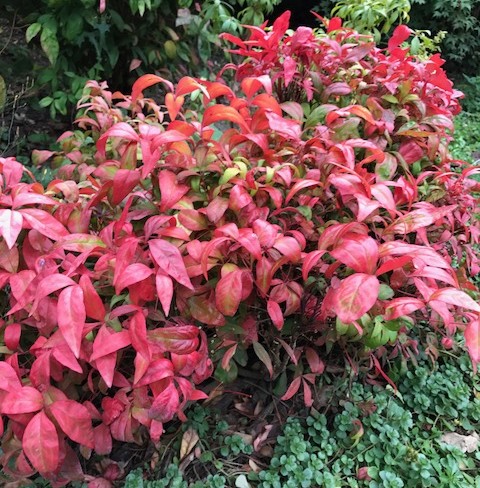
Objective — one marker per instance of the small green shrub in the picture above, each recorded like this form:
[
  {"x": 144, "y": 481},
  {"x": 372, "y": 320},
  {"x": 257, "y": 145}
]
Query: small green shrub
[
  {"x": 461, "y": 47},
  {"x": 466, "y": 138},
  {"x": 375, "y": 17},
  {"x": 119, "y": 40}
]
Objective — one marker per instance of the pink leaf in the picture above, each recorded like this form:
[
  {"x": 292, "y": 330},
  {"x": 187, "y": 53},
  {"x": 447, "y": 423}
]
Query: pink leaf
[
  {"x": 41, "y": 444},
  {"x": 275, "y": 313},
  {"x": 455, "y": 297},
  {"x": 108, "y": 342},
  {"x": 165, "y": 404},
  {"x": 22, "y": 400},
  {"x": 75, "y": 420},
  {"x": 355, "y": 296},
  {"x": 44, "y": 223},
  {"x": 132, "y": 274},
  {"x": 179, "y": 340},
  {"x": 358, "y": 252},
  {"x": 72, "y": 317},
  {"x": 10, "y": 226},
  {"x": 287, "y": 128},
  {"x": 169, "y": 260},
  {"x": 402, "y": 306},
  {"x": 472, "y": 341},
  {"x": 228, "y": 293},
  {"x": 164, "y": 286}
]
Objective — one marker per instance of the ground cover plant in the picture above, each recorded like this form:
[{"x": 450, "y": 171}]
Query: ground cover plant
[
  {"x": 363, "y": 436},
  {"x": 305, "y": 217}
]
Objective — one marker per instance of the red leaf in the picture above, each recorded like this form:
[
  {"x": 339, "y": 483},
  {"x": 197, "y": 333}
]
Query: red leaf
[
  {"x": 138, "y": 336},
  {"x": 75, "y": 421},
  {"x": 358, "y": 252},
  {"x": 216, "y": 113},
  {"x": 472, "y": 341},
  {"x": 455, "y": 297},
  {"x": 292, "y": 389},
  {"x": 300, "y": 185},
  {"x": 72, "y": 317},
  {"x": 169, "y": 260},
  {"x": 275, "y": 313},
  {"x": 22, "y": 400},
  {"x": 171, "y": 191},
  {"x": 165, "y": 404},
  {"x": 355, "y": 296},
  {"x": 93, "y": 303},
  {"x": 108, "y": 342},
  {"x": 10, "y": 226},
  {"x": 173, "y": 104},
  {"x": 121, "y": 129},
  {"x": 157, "y": 370},
  {"x": 334, "y": 24},
  {"x": 203, "y": 309},
  {"x": 287, "y": 128},
  {"x": 317, "y": 366},
  {"x": 392, "y": 264},
  {"x": 146, "y": 81},
  {"x": 124, "y": 182},
  {"x": 164, "y": 286},
  {"x": 188, "y": 85},
  {"x": 418, "y": 219},
  {"x": 179, "y": 340},
  {"x": 402, "y": 306},
  {"x": 44, "y": 223},
  {"x": 132, "y": 274},
  {"x": 228, "y": 293},
  {"x": 400, "y": 34},
  {"x": 41, "y": 444}
]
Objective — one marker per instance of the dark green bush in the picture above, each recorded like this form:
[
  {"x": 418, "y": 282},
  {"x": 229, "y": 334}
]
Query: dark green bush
[{"x": 127, "y": 39}]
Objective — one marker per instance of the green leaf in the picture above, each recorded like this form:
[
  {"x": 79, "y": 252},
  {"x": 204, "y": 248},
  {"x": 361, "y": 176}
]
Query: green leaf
[
  {"x": 33, "y": 30},
  {"x": 49, "y": 43},
  {"x": 45, "y": 102}
]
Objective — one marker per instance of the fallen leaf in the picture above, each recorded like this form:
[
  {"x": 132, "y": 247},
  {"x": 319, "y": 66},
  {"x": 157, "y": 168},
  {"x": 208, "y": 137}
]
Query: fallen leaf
[
  {"x": 189, "y": 441},
  {"x": 466, "y": 443}
]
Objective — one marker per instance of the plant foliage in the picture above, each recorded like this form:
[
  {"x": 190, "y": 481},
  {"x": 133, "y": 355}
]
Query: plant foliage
[{"x": 312, "y": 208}]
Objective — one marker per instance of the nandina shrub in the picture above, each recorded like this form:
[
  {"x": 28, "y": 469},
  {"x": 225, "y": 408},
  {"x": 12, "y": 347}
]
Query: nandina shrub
[{"x": 312, "y": 209}]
